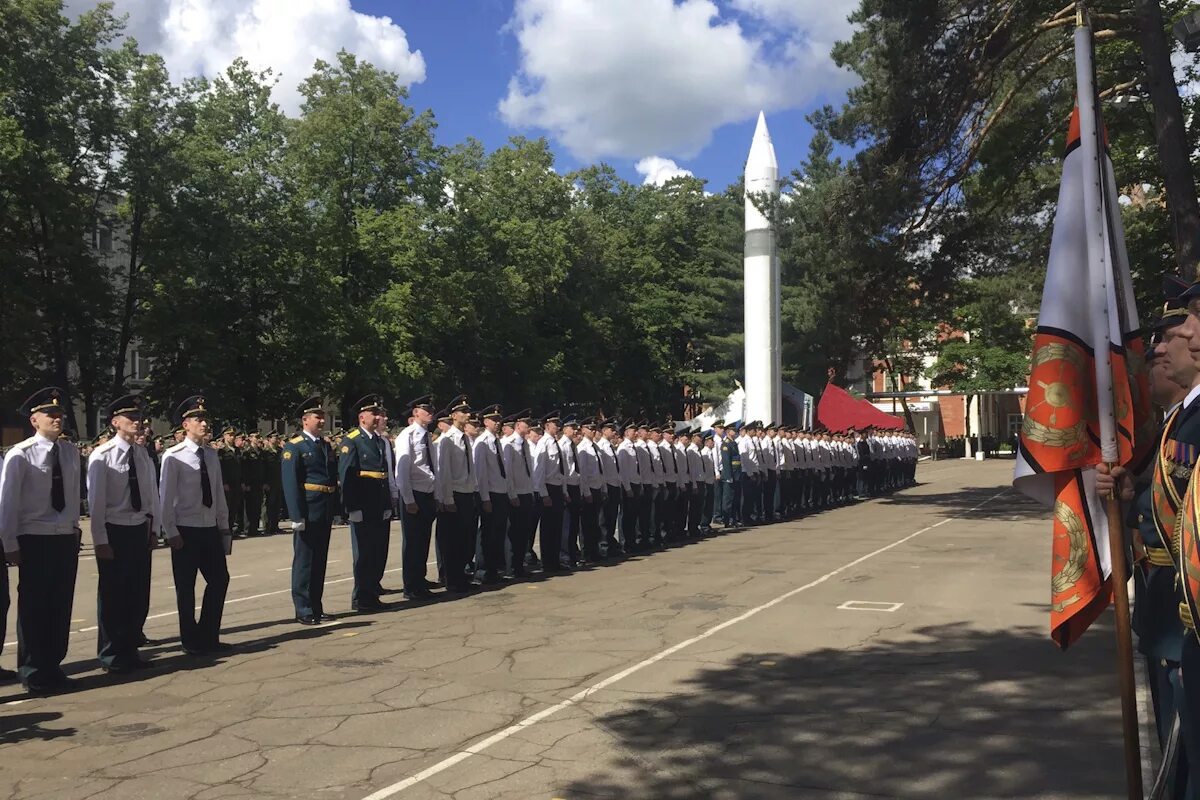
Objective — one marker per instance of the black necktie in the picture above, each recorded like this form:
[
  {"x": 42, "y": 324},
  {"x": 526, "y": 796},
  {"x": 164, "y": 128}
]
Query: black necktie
[
  {"x": 674, "y": 461},
  {"x": 58, "y": 496},
  {"x": 575, "y": 456},
  {"x": 525, "y": 456},
  {"x": 637, "y": 462},
  {"x": 467, "y": 453},
  {"x": 205, "y": 484},
  {"x": 135, "y": 493},
  {"x": 561, "y": 469},
  {"x": 428, "y": 454},
  {"x": 599, "y": 458},
  {"x": 499, "y": 458}
]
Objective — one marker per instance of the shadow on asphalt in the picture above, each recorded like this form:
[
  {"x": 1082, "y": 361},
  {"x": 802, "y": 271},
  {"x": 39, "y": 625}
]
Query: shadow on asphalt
[
  {"x": 954, "y": 713},
  {"x": 1012, "y": 506},
  {"x": 22, "y": 727}
]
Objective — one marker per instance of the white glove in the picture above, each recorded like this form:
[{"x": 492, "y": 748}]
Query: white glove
[
  {"x": 356, "y": 516},
  {"x": 387, "y": 514},
  {"x": 298, "y": 526}
]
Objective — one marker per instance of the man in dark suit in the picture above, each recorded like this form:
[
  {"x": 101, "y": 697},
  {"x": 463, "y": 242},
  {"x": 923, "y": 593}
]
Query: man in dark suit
[
  {"x": 309, "y": 480},
  {"x": 367, "y": 498}
]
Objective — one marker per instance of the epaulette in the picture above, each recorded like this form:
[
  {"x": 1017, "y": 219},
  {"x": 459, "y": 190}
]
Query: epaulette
[
  {"x": 25, "y": 444},
  {"x": 353, "y": 433},
  {"x": 100, "y": 448},
  {"x": 296, "y": 440},
  {"x": 177, "y": 447}
]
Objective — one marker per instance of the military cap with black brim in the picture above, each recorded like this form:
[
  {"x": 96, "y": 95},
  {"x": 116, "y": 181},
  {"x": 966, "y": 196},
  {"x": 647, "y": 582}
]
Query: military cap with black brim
[
  {"x": 129, "y": 405},
  {"x": 424, "y": 402},
  {"x": 553, "y": 416},
  {"x": 193, "y": 407},
  {"x": 369, "y": 402},
  {"x": 50, "y": 400},
  {"x": 493, "y": 411},
  {"x": 459, "y": 405},
  {"x": 312, "y": 405}
]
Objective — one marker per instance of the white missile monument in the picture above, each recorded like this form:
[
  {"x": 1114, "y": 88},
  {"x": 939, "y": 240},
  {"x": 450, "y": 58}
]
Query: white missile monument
[{"x": 764, "y": 366}]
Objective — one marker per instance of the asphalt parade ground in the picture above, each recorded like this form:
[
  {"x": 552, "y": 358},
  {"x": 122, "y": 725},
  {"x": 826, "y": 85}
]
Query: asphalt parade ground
[{"x": 894, "y": 648}]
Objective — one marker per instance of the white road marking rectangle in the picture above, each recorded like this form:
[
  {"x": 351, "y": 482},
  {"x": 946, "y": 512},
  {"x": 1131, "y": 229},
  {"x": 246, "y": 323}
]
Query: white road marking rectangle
[{"x": 869, "y": 605}]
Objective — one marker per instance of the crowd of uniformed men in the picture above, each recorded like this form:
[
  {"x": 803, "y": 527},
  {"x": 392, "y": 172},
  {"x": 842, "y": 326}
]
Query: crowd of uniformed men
[{"x": 486, "y": 481}]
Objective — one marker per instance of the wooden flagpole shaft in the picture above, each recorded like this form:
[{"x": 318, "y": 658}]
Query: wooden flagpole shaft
[{"x": 1129, "y": 715}]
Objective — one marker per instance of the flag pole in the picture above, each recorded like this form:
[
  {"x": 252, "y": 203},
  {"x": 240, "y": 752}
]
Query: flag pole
[{"x": 1102, "y": 265}]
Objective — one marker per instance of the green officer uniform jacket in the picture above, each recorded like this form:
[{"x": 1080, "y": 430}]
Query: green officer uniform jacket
[
  {"x": 308, "y": 471},
  {"x": 731, "y": 461},
  {"x": 363, "y": 475}
]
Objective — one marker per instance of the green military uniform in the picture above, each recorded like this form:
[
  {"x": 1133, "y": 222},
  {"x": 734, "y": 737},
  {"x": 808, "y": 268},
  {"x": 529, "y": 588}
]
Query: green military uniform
[
  {"x": 270, "y": 456},
  {"x": 731, "y": 478},
  {"x": 253, "y": 478},
  {"x": 231, "y": 475}
]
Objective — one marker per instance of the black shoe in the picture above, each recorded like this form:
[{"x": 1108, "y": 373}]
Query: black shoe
[
  {"x": 7, "y": 676},
  {"x": 519, "y": 574},
  {"x": 308, "y": 619},
  {"x": 419, "y": 594},
  {"x": 193, "y": 650},
  {"x": 323, "y": 617},
  {"x": 370, "y": 608},
  {"x": 391, "y": 591},
  {"x": 492, "y": 579},
  {"x": 117, "y": 669},
  {"x": 149, "y": 642}
]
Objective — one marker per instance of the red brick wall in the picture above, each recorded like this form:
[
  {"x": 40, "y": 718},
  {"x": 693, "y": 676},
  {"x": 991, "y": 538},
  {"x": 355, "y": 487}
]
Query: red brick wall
[{"x": 951, "y": 409}]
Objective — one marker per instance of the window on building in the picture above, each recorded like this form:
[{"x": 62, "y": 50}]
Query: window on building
[
  {"x": 1014, "y": 424},
  {"x": 139, "y": 366},
  {"x": 105, "y": 239}
]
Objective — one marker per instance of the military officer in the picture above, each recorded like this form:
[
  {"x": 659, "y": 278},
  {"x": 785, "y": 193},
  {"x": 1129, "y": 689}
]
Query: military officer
[
  {"x": 631, "y": 486},
  {"x": 415, "y": 483},
  {"x": 711, "y": 480},
  {"x": 749, "y": 456},
  {"x": 718, "y": 434},
  {"x": 549, "y": 478},
  {"x": 254, "y": 481},
  {"x": 230, "y": 455},
  {"x": 457, "y": 496},
  {"x": 522, "y": 516},
  {"x": 308, "y": 476},
  {"x": 493, "y": 477},
  {"x": 366, "y": 496},
  {"x": 195, "y": 521},
  {"x": 731, "y": 479},
  {"x": 272, "y": 454},
  {"x": 123, "y": 497},
  {"x": 606, "y": 442},
  {"x": 39, "y": 530}
]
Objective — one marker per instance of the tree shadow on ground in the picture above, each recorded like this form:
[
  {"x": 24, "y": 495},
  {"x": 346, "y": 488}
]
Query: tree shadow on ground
[
  {"x": 947, "y": 712},
  {"x": 980, "y": 502}
]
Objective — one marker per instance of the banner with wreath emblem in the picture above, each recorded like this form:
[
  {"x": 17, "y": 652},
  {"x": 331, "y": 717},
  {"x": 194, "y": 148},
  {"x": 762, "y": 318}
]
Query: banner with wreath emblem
[{"x": 1060, "y": 435}]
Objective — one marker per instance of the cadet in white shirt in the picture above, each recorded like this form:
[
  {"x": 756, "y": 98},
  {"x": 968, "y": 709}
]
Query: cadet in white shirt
[
  {"x": 493, "y": 478},
  {"x": 122, "y": 500},
  {"x": 195, "y": 521},
  {"x": 646, "y": 504},
  {"x": 591, "y": 485},
  {"x": 631, "y": 485},
  {"x": 751, "y": 472},
  {"x": 709, "y": 459},
  {"x": 548, "y": 478},
  {"x": 668, "y": 521},
  {"x": 415, "y": 483},
  {"x": 613, "y": 489},
  {"x": 457, "y": 494},
  {"x": 39, "y": 529},
  {"x": 658, "y": 475},
  {"x": 523, "y": 514},
  {"x": 698, "y": 492}
]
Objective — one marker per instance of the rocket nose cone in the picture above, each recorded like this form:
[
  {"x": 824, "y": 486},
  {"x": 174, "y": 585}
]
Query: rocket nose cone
[{"x": 762, "y": 151}]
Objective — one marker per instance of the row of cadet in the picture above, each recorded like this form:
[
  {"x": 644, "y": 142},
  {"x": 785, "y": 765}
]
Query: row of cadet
[{"x": 584, "y": 490}]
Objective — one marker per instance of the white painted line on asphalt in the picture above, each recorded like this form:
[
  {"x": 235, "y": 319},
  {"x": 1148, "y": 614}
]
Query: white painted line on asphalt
[
  {"x": 869, "y": 605},
  {"x": 235, "y": 577},
  {"x": 533, "y": 719},
  {"x": 284, "y": 569}
]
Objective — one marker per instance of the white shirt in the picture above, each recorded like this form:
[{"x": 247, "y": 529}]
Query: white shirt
[
  {"x": 488, "y": 461},
  {"x": 519, "y": 463},
  {"x": 454, "y": 474},
  {"x": 645, "y": 464},
  {"x": 670, "y": 462},
  {"x": 749, "y": 453},
  {"x": 180, "y": 494},
  {"x": 627, "y": 459},
  {"x": 25, "y": 484},
  {"x": 590, "y": 478},
  {"x": 414, "y": 471},
  {"x": 567, "y": 448},
  {"x": 109, "y": 492},
  {"x": 548, "y": 465},
  {"x": 608, "y": 460},
  {"x": 696, "y": 472}
]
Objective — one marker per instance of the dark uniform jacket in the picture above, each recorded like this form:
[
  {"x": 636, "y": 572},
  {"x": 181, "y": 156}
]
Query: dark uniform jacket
[
  {"x": 362, "y": 471},
  {"x": 309, "y": 475},
  {"x": 731, "y": 461}
]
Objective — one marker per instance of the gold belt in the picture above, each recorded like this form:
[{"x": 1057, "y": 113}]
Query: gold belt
[
  {"x": 1185, "y": 616},
  {"x": 320, "y": 487},
  {"x": 1159, "y": 556},
  {"x": 362, "y": 473}
]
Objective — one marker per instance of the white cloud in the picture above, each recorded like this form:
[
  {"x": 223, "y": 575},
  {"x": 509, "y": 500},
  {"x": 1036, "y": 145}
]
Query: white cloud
[
  {"x": 629, "y": 77},
  {"x": 658, "y": 170},
  {"x": 202, "y": 37}
]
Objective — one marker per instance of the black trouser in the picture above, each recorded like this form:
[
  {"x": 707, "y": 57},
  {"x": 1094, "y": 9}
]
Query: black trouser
[
  {"x": 612, "y": 510},
  {"x": 574, "y": 518},
  {"x": 521, "y": 523},
  {"x": 495, "y": 524},
  {"x": 202, "y": 552},
  {"x": 4, "y": 602},
  {"x": 458, "y": 546},
  {"x": 550, "y": 537},
  {"x": 417, "y": 530},
  {"x": 368, "y": 543},
  {"x": 123, "y": 582},
  {"x": 589, "y": 520},
  {"x": 45, "y": 592},
  {"x": 233, "y": 502},
  {"x": 275, "y": 509},
  {"x": 664, "y": 522},
  {"x": 254, "y": 501},
  {"x": 651, "y": 500},
  {"x": 683, "y": 497},
  {"x": 749, "y": 491},
  {"x": 310, "y": 557},
  {"x": 695, "y": 508},
  {"x": 631, "y": 516},
  {"x": 768, "y": 501}
]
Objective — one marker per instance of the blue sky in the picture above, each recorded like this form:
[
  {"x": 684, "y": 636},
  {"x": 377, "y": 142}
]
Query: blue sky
[{"x": 653, "y": 87}]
